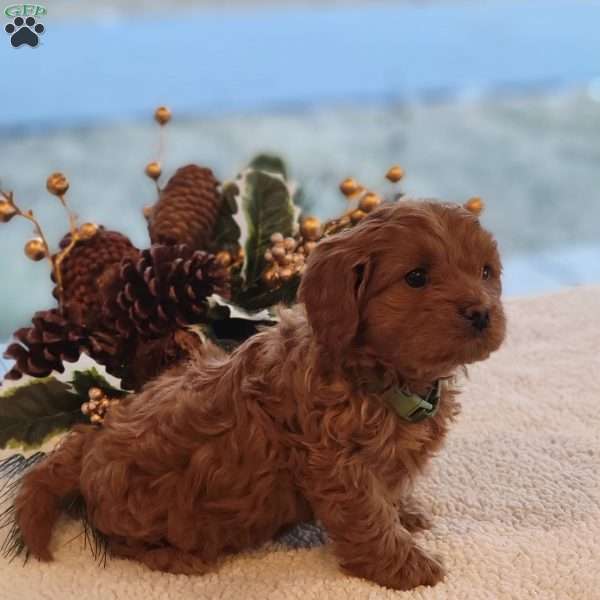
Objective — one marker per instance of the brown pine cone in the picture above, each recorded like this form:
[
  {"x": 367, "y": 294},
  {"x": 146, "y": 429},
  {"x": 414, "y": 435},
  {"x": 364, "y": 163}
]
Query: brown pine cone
[
  {"x": 111, "y": 350},
  {"x": 45, "y": 346},
  {"x": 164, "y": 289},
  {"x": 52, "y": 340},
  {"x": 187, "y": 209},
  {"x": 84, "y": 268}
]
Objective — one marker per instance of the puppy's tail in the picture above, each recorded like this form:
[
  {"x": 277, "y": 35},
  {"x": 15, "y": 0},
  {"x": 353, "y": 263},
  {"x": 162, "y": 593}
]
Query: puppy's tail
[{"x": 42, "y": 492}]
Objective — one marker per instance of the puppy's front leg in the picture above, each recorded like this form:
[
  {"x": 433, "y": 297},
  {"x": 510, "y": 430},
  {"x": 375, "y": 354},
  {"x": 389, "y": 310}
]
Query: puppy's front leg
[
  {"x": 411, "y": 516},
  {"x": 368, "y": 537}
]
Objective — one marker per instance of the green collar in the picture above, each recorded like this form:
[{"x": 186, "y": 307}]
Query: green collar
[{"x": 410, "y": 407}]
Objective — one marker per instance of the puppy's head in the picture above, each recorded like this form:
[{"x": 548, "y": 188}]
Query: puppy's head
[{"x": 416, "y": 285}]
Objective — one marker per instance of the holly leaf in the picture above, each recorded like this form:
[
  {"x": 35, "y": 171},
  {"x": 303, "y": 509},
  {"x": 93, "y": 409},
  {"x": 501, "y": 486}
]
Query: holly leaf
[
  {"x": 219, "y": 309},
  {"x": 270, "y": 163},
  {"x": 226, "y": 234},
  {"x": 268, "y": 209},
  {"x": 260, "y": 202},
  {"x": 83, "y": 381},
  {"x": 258, "y": 297},
  {"x": 30, "y": 413}
]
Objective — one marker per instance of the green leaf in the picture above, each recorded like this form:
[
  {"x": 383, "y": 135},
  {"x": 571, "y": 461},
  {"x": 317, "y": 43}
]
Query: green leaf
[
  {"x": 226, "y": 234},
  {"x": 219, "y": 309},
  {"x": 270, "y": 163},
  {"x": 259, "y": 203},
  {"x": 31, "y": 412},
  {"x": 83, "y": 381},
  {"x": 258, "y": 297},
  {"x": 268, "y": 208}
]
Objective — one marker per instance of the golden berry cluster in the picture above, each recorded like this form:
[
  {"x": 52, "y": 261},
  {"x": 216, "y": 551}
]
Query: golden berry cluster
[
  {"x": 287, "y": 255},
  {"x": 286, "y": 258},
  {"x": 228, "y": 259},
  {"x": 37, "y": 248},
  {"x": 98, "y": 405}
]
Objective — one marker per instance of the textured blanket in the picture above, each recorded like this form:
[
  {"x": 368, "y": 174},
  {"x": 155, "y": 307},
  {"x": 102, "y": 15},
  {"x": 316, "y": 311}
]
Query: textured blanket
[{"x": 515, "y": 494}]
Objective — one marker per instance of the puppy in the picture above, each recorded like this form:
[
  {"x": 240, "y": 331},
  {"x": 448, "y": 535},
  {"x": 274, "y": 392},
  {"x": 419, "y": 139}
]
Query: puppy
[{"x": 329, "y": 415}]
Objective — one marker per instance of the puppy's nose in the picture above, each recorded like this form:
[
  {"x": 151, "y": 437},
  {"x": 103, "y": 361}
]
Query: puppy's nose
[{"x": 478, "y": 316}]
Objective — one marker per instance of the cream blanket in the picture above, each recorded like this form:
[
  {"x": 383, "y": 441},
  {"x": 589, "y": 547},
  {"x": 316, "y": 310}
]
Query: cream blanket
[{"x": 515, "y": 494}]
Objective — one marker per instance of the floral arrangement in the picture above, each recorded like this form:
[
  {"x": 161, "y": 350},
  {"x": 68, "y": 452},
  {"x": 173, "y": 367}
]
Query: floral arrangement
[{"x": 220, "y": 258}]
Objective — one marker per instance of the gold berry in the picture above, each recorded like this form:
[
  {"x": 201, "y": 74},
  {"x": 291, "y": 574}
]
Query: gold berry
[
  {"x": 88, "y": 230},
  {"x": 277, "y": 238},
  {"x": 349, "y": 186},
  {"x": 357, "y": 215},
  {"x": 57, "y": 184},
  {"x": 309, "y": 247},
  {"x": 395, "y": 173},
  {"x": 270, "y": 277},
  {"x": 153, "y": 170},
  {"x": 35, "y": 249},
  {"x": 311, "y": 228},
  {"x": 148, "y": 211},
  {"x": 96, "y": 419},
  {"x": 162, "y": 115},
  {"x": 7, "y": 211},
  {"x": 369, "y": 202},
  {"x": 95, "y": 394},
  {"x": 224, "y": 258},
  {"x": 290, "y": 243},
  {"x": 278, "y": 252},
  {"x": 475, "y": 205},
  {"x": 286, "y": 274}
]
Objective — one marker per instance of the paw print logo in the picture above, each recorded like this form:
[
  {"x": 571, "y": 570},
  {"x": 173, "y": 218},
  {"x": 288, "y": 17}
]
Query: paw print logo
[{"x": 24, "y": 31}]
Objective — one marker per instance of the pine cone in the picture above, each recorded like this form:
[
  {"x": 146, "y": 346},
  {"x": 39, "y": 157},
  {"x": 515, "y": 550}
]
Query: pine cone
[
  {"x": 165, "y": 288},
  {"x": 84, "y": 268},
  {"x": 111, "y": 350},
  {"x": 44, "y": 347},
  {"x": 187, "y": 209}
]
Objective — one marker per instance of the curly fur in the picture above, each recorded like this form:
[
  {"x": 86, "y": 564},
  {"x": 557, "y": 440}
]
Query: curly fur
[{"x": 225, "y": 451}]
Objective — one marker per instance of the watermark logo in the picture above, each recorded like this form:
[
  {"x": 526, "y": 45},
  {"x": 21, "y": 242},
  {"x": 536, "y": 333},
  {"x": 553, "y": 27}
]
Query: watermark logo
[
  {"x": 25, "y": 28},
  {"x": 25, "y": 10}
]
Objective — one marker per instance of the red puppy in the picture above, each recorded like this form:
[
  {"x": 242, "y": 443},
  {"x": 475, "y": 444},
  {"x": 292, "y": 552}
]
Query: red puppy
[{"x": 329, "y": 415}]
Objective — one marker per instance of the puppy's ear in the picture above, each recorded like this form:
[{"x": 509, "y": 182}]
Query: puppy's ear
[{"x": 332, "y": 289}]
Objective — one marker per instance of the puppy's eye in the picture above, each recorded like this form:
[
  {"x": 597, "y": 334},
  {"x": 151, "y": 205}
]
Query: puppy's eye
[
  {"x": 486, "y": 272},
  {"x": 416, "y": 278}
]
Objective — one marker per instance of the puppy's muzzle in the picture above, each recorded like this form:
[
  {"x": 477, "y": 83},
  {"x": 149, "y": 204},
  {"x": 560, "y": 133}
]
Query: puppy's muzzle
[{"x": 478, "y": 316}]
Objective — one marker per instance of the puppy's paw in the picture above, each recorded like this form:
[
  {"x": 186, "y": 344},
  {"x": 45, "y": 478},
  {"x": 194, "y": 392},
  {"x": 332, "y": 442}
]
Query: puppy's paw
[
  {"x": 414, "y": 521},
  {"x": 419, "y": 568}
]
